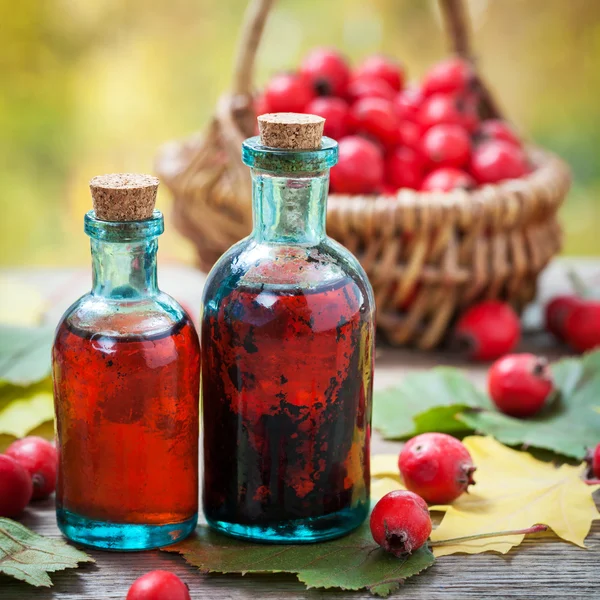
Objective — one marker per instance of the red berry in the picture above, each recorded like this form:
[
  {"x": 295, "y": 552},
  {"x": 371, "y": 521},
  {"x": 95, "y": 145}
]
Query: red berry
[
  {"x": 15, "y": 487},
  {"x": 409, "y": 134},
  {"x": 382, "y": 67},
  {"x": 436, "y": 466},
  {"x": 40, "y": 459},
  {"x": 520, "y": 384},
  {"x": 448, "y": 109},
  {"x": 158, "y": 585},
  {"x": 400, "y": 522},
  {"x": 335, "y": 113},
  {"x": 450, "y": 75},
  {"x": 375, "y": 117},
  {"x": 582, "y": 326},
  {"x": 359, "y": 169},
  {"x": 368, "y": 87},
  {"x": 489, "y": 330},
  {"x": 408, "y": 102},
  {"x": 447, "y": 179},
  {"x": 496, "y": 161},
  {"x": 327, "y": 71},
  {"x": 593, "y": 459},
  {"x": 404, "y": 169},
  {"x": 446, "y": 146},
  {"x": 288, "y": 92},
  {"x": 557, "y": 311},
  {"x": 497, "y": 129}
]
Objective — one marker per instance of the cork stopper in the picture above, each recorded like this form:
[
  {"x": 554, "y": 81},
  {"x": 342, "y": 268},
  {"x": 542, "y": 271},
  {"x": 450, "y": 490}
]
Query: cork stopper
[
  {"x": 291, "y": 131},
  {"x": 124, "y": 196}
]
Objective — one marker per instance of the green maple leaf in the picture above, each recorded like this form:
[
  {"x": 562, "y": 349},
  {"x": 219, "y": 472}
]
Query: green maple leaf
[
  {"x": 427, "y": 401},
  {"x": 25, "y": 354},
  {"x": 353, "y": 562},
  {"x": 444, "y": 400},
  {"x": 30, "y": 557},
  {"x": 567, "y": 426}
]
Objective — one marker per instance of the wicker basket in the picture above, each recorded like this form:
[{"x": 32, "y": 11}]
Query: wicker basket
[{"x": 428, "y": 255}]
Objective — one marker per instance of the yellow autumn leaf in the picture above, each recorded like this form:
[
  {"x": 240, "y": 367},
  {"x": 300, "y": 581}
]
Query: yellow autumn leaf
[
  {"x": 23, "y": 415},
  {"x": 45, "y": 430},
  {"x": 385, "y": 465},
  {"x": 5, "y": 441},
  {"x": 515, "y": 491},
  {"x": 385, "y": 476},
  {"x": 380, "y": 486}
]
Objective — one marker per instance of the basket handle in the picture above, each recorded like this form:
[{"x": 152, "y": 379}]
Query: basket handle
[
  {"x": 458, "y": 29},
  {"x": 254, "y": 24}
]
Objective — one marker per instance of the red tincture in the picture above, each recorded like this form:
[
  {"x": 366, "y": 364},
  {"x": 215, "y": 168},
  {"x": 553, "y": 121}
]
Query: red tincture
[
  {"x": 127, "y": 418},
  {"x": 285, "y": 377}
]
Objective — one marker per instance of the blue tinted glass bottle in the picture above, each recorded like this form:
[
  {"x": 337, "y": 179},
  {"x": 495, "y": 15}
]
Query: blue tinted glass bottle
[
  {"x": 287, "y": 341},
  {"x": 126, "y": 384}
]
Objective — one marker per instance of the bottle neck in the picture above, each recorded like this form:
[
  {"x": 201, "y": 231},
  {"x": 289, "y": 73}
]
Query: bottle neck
[
  {"x": 124, "y": 271},
  {"x": 289, "y": 209}
]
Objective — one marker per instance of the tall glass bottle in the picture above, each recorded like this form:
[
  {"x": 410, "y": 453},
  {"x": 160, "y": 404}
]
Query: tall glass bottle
[
  {"x": 126, "y": 385},
  {"x": 287, "y": 342}
]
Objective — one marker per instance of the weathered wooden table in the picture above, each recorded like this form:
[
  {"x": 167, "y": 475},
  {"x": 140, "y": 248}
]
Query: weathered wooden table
[{"x": 541, "y": 568}]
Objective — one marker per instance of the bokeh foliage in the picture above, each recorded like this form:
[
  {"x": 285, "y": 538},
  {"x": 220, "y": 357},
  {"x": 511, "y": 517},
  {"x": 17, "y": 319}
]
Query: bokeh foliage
[{"x": 93, "y": 87}]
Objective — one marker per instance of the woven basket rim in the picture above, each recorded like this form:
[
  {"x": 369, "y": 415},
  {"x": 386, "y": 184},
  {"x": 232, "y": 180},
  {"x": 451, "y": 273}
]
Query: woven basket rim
[
  {"x": 504, "y": 205},
  {"x": 545, "y": 165}
]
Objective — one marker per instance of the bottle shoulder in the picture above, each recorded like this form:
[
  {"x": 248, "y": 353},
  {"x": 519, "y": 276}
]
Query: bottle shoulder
[
  {"x": 148, "y": 316},
  {"x": 284, "y": 267}
]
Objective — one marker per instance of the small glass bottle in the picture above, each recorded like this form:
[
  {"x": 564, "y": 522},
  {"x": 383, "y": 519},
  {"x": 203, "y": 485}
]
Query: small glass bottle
[
  {"x": 287, "y": 344},
  {"x": 126, "y": 363}
]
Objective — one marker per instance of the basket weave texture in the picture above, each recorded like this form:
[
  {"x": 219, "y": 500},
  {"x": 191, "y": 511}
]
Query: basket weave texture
[{"x": 428, "y": 255}]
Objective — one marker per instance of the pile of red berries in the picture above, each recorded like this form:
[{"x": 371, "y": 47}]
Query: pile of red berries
[{"x": 391, "y": 135}]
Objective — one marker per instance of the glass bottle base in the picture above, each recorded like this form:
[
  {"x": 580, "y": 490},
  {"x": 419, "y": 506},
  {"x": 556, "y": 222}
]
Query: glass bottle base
[
  {"x": 300, "y": 531},
  {"x": 122, "y": 536}
]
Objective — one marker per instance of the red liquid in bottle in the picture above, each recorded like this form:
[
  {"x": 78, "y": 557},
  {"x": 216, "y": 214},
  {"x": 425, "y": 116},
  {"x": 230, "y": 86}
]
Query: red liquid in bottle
[
  {"x": 285, "y": 376},
  {"x": 127, "y": 416}
]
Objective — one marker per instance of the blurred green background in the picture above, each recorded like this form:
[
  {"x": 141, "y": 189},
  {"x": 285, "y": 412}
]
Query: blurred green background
[{"x": 95, "y": 86}]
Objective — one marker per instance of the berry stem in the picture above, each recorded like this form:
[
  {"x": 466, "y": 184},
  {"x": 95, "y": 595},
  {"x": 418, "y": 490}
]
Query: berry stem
[{"x": 481, "y": 536}]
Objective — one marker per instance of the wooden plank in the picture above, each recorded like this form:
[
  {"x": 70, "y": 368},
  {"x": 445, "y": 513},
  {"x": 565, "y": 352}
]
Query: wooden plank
[{"x": 542, "y": 568}]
